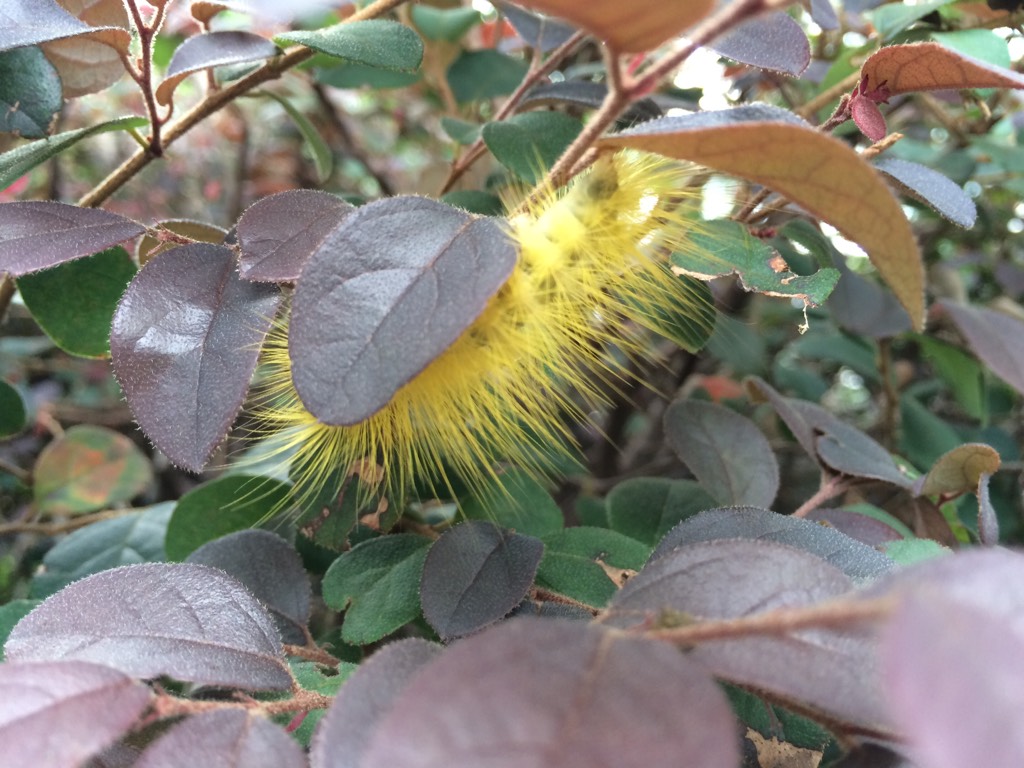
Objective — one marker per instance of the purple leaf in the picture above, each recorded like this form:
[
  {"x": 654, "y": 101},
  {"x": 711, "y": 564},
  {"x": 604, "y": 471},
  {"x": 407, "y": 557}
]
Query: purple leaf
[
  {"x": 474, "y": 575},
  {"x": 770, "y": 41},
  {"x": 271, "y": 569},
  {"x": 996, "y": 338},
  {"x": 189, "y": 622},
  {"x": 550, "y": 693},
  {"x": 931, "y": 187},
  {"x": 824, "y": 15},
  {"x": 345, "y": 731},
  {"x": 727, "y": 453},
  {"x": 213, "y": 49},
  {"x": 856, "y": 560},
  {"x": 29, "y": 22},
  {"x": 988, "y": 523},
  {"x": 226, "y": 737},
  {"x": 954, "y": 675},
  {"x": 385, "y": 293},
  {"x": 57, "y": 714},
  {"x": 40, "y": 234},
  {"x": 861, "y": 527},
  {"x": 868, "y": 117},
  {"x": 278, "y": 234},
  {"x": 863, "y": 307},
  {"x": 184, "y": 343},
  {"x": 832, "y": 673}
]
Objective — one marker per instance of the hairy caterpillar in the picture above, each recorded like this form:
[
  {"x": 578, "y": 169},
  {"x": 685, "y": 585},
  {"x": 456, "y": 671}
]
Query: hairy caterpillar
[{"x": 592, "y": 260}]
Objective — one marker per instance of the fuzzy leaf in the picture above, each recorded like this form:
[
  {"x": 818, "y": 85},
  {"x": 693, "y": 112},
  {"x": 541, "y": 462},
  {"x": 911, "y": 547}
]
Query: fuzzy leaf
[
  {"x": 448, "y": 24},
  {"x": 89, "y": 468},
  {"x": 39, "y": 234},
  {"x": 385, "y": 293},
  {"x": 933, "y": 188},
  {"x": 270, "y": 569},
  {"x": 128, "y": 540},
  {"x": 345, "y": 731},
  {"x": 74, "y": 302},
  {"x": 932, "y": 67},
  {"x": 514, "y": 499},
  {"x": 227, "y": 737},
  {"x": 17, "y": 162},
  {"x": 820, "y": 173},
  {"x": 216, "y": 508},
  {"x": 376, "y": 43},
  {"x": 995, "y": 337},
  {"x": 277, "y": 234},
  {"x": 589, "y": 564},
  {"x": 725, "y": 247},
  {"x": 475, "y": 574},
  {"x": 478, "y": 75},
  {"x": 184, "y": 343},
  {"x": 376, "y": 583},
  {"x": 831, "y": 672},
  {"x": 59, "y": 713},
  {"x": 856, "y": 560},
  {"x": 554, "y": 693},
  {"x": 727, "y": 453},
  {"x": 200, "y": 231},
  {"x": 30, "y": 22},
  {"x": 209, "y": 50},
  {"x": 189, "y": 622},
  {"x": 528, "y": 143},
  {"x": 646, "y": 508},
  {"x": 772, "y": 41},
  {"x": 30, "y": 95},
  {"x": 539, "y": 32},
  {"x": 864, "y": 308},
  {"x": 642, "y": 25},
  {"x": 91, "y": 62},
  {"x": 868, "y": 117},
  {"x": 960, "y": 470}
]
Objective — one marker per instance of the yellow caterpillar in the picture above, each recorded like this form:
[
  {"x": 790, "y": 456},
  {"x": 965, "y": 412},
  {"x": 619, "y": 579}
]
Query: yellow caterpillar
[{"x": 593, "y": 259}]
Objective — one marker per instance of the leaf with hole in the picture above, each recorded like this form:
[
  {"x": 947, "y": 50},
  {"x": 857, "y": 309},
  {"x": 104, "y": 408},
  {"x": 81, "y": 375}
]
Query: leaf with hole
[
  {"x": 474, "y": 575},
  {"x": 185, "y": 621},
  {"x": 89, "y": 468},
  {"x": 185, "y": 341},
  {"x": 59, "y": 713},
  {"x": 384, "y": 294}
]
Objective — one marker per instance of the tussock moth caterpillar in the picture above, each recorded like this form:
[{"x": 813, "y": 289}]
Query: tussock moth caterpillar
[{"x": 593, "y": 259}]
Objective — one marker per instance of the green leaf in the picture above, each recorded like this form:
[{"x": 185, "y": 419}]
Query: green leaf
[
  {"x": 11, "y": 614},
  {"x": 461, "y": 131},
  {"x": 964, "y": 375},
  {"x": 924, "y": 436},
  {"x": 890, "y": 19},
  {"x": 774, "y": 721},
  {"x": 30, "y": 94},
  {"x": 475, "y": 201},
  {"x": 74, "y": 302},
  {"x": 375, "y": 43},
  {"x": 19, "y": 161},
  {"x": 528, "y": 144},
  {"x": 12, "y": 410},
  {"x": 322, "y": 155},
  {"x": 515, "y": 500},
  {"x": 352, "y": 75},
  {"x": 477, "y": 75},
  {"x": 220, "y": 507},
  {"x": 729, "y": 248},
  {"x": 448, "y": 24},
  {"x": 646, "y": 508},
  {"x": 89, "y": 468},
  {"x": 853, "y": 351},
  {"x": 377, "y": 584},
  {"x": 137, "y": 537},
  {"x": 581, "y": 563},
  {"x": 982, "y": 44},
  {"x": 909, "y": 551},
  {"x": 311, "y": 677}
]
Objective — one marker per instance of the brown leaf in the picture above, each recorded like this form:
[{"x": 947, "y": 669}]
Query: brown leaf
[
  {"x": 627, "y": 27},
  {"x": 960, "y": 469},
  {"x": 933, "y": 67},
  {"x": 820, "y": 173},
  {"x": 91, "y": 62}
]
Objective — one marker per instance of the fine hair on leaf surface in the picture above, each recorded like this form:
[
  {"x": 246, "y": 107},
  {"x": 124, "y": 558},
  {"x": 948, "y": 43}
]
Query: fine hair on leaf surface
[{"x": 592, "y": 273}]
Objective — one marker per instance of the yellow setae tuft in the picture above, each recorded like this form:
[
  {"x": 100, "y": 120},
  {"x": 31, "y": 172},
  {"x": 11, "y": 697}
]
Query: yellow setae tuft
[{"x": 592, "y": 259}]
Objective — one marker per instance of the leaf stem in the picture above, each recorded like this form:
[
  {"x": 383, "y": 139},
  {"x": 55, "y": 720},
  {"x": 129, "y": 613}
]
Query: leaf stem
[
  {"x": 831, "y": 486},
  {"x": 214, "y": 102}
]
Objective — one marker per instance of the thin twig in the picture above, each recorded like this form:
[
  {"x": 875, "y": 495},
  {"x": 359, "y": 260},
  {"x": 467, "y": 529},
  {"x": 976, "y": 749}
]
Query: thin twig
[
  {"x": 60, "y": 526},
  {"x": 831, "y": 486}
]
